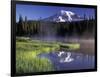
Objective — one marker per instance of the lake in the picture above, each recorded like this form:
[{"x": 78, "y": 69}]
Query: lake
[{"x": 67, "y": 60}]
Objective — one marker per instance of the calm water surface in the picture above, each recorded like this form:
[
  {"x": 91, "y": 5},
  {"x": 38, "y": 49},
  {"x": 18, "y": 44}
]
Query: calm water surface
[{"x": 70, "y": 60}]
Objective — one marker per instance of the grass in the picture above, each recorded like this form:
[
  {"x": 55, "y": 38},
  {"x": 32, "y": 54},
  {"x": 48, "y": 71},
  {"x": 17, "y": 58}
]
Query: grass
[
  {"x": 70, "y": 46},
  {"x": 27, "y": 51},
  {"x": 27, "y": 62}
]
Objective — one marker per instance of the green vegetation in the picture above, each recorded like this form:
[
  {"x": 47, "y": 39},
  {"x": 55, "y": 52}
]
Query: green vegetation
[
  {"x": 27, "y": 52},
  {"x": 27, "y": 62},
  {"x": 70, "y": 46}
]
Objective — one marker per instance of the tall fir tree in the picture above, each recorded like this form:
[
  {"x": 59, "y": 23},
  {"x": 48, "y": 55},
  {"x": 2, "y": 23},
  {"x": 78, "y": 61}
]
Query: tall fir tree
[
  {"x": 20, "y": 26},
  {"x": 26, "y": 25}
]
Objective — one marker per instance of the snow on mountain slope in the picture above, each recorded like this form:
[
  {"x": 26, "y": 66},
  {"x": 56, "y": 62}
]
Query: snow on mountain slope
[
  {"x": 64, "y": 16},
  {"x": 68, "y": 14}
]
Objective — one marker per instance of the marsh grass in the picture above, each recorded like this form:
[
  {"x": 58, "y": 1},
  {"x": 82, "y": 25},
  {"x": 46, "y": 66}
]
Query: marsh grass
[
  {"x": 28, "y": 63},
  {"x": 27, "y": 51}
]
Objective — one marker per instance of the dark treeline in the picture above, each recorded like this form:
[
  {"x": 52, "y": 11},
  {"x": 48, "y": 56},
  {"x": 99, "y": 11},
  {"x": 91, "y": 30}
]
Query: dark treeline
[{"x": 29, "y": 28}]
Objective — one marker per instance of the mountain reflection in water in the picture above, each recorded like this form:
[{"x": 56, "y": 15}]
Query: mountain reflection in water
[
  {"x": 69, "y": 60},
  {"x": 67, "y": 57}
]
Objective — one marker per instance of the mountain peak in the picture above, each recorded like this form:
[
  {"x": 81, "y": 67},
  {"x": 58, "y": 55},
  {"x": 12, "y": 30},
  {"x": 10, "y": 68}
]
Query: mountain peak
[
  {"x": 64, "y": 16},
  {"x": 68, "y": 14},
  {"x": 64, "y": 12}
]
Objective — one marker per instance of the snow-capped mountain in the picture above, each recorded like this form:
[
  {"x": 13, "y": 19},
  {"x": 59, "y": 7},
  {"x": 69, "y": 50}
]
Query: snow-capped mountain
[{"x": 64, "y": 16}]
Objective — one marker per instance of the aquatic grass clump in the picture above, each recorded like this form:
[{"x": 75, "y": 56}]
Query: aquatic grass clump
[
  {"x": 27, "y": 60},
  {"x": 28, "y": 63},
  {"x": 27, "y": 51},
  {"x": 75, "y": 46}
]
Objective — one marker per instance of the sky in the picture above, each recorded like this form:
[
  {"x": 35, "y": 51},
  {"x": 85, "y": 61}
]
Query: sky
[{"x": 34, "y": 12}]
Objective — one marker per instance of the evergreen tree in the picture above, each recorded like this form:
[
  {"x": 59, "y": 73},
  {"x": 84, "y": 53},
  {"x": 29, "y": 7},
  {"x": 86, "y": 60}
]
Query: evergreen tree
[
  {"x": 20, "y": 26},
  {"x": 84, "y": 16},
  {"x": 25, "y": 25}
]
